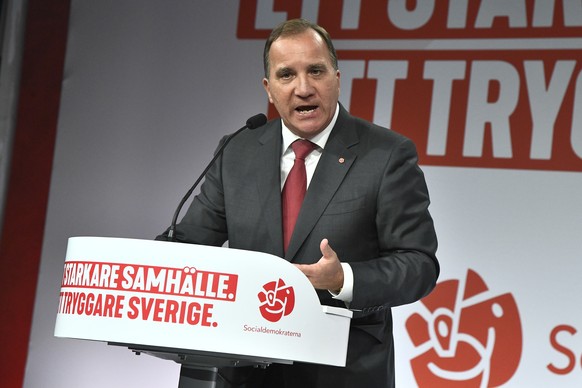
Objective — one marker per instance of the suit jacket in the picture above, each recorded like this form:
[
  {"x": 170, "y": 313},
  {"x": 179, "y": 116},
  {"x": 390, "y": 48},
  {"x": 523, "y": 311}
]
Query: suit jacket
[{"x": 368, "y": 197}]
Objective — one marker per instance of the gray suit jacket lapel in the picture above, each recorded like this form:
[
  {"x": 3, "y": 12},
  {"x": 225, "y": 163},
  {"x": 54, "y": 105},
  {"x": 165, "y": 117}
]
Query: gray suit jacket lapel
[
  {"x": 267, "y": 166},
  {"x": 333, "y": 166}
]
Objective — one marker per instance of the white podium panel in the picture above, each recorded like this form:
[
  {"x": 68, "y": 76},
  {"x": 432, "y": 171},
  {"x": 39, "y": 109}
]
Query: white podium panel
[{"x": 173, "y": 296}]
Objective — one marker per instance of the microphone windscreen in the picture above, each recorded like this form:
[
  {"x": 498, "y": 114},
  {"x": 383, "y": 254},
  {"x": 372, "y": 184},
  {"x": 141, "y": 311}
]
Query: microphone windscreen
[{"x": 256, "y": 121}]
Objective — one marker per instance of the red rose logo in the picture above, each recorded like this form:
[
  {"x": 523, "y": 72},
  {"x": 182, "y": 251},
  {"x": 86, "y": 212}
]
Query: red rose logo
[
  {"x": 277, "y": 300},
  {"x": 465, "y": 337}
]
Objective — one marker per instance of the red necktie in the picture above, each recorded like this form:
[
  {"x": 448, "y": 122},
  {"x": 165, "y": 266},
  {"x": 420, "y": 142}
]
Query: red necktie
[{"x": 295, "y": 188}]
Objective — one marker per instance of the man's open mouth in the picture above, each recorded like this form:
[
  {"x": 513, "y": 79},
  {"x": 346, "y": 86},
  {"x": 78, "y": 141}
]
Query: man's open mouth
[{"x": 304, "y": 110}]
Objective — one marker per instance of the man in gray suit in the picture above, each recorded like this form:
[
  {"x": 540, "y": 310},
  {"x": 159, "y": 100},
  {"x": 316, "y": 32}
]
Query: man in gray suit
[{"x": 363, "y": 236}]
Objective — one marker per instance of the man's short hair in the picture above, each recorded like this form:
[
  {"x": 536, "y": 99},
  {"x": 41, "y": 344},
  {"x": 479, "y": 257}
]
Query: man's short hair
[{"x": 296, "y": 27}]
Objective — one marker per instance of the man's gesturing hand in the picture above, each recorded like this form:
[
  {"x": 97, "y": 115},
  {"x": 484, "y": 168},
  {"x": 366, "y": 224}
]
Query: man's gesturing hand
[{"x": 327, "y": 273}]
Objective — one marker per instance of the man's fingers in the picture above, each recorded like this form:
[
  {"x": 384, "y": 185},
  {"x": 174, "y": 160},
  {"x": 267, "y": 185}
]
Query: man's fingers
[
  {"x": 325, "y": 248},
  {"x": 305, "y": 268},
  {"x": 327, "y": 273}
]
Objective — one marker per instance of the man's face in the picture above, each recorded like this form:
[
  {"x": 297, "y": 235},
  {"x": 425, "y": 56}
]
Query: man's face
[{"x": 302, "y": 83}]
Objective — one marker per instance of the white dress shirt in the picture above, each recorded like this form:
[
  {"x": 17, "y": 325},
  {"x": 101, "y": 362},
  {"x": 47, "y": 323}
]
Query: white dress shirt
[{"x": 287, "y": 161}]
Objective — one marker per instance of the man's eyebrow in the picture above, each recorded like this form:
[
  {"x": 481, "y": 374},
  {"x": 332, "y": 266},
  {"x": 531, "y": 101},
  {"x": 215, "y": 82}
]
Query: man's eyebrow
[
  {"x": 317, "y": 66},
  {"x": 283, "y": 70}
]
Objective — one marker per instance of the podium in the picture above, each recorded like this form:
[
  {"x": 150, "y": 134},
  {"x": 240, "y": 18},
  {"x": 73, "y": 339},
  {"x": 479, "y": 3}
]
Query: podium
[{"x": 202, "y": 307}]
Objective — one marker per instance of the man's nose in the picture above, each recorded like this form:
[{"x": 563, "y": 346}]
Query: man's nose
[{"x": 304, "y": 88}]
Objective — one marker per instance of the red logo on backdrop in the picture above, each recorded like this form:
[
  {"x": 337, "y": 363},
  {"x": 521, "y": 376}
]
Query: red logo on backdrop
[
  {"x": 277, "y": 300},
  {"x": 466, "y": 336}
]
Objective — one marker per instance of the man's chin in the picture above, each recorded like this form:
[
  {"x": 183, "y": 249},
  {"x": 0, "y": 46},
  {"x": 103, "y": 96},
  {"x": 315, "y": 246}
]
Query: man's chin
[{"x": 307, "y": 128}]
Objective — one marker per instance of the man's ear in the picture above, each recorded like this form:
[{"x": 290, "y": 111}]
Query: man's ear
[{"x": 267, "y": 89}]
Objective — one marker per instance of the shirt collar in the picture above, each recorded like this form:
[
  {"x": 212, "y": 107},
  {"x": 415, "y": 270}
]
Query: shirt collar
[{"x": 320, "y": 139}]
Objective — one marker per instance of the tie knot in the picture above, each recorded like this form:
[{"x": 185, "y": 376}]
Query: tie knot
[{"x": 302, "y": 148}]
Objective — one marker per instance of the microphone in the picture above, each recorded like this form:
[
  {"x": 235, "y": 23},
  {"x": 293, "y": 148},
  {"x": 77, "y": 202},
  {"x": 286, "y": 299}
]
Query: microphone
[{"x": 252, "y": 123}]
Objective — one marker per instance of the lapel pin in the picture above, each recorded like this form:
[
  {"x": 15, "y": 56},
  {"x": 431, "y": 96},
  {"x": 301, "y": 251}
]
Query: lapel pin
[{"x": 341, "y": 160}]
